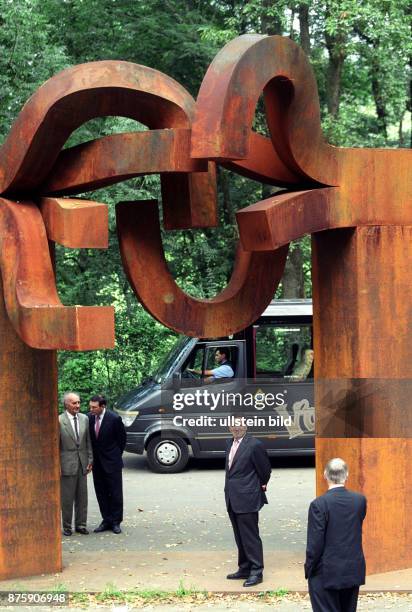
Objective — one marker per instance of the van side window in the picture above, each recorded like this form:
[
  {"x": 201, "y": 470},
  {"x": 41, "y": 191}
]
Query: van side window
[
  {"x": 284, "y": 351},
  {"x": 194, "y": 361}
]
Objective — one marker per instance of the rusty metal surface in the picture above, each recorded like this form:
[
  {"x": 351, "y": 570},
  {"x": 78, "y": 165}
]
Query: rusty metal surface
[
  {"x": 119, "y": 157},
  {"x": 76, "y": 95},
  {"x": 332, "y": 187},
  {"x": 328, "y": 190},
  {"x": 361, "y": 275},
  {"x": 379, "y": 467},
  {"x": 232, "y": 310},
  {"x": 188, "y": 186},
  {"x": 76, "y": 223},
  {"x": 30, "y": 541},
  {"x": 33, "y": 165},
  {"x": 30, "y": 293},
  {"x": 362, "y": 335}
]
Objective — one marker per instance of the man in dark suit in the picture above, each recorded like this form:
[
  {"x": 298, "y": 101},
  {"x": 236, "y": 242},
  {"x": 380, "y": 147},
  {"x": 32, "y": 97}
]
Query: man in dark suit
[
  {"x": 108, "y": 437},
  {"x": 335, "y": 565},
  {"x": 247, "y": 474}
]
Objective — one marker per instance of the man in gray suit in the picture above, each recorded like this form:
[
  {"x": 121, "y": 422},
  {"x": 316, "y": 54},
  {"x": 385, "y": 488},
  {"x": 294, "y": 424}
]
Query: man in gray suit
[{"x": 76, "y": 461}]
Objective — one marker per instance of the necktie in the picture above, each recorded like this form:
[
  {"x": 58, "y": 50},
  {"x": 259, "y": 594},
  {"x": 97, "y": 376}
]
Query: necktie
[
  {"x": 97, "y": 426},
  {"x": 76, "y": 429},
  {"x": 232, "y": 453}
]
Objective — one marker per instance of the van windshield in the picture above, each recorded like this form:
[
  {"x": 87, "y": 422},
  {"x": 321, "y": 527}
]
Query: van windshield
[{"x": 166, "y": 368}]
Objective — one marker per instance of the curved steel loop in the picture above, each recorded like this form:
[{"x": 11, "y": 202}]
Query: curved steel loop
[
  {"x": 188, "y": 186},
  {"x": 30, "y": 294},
  {"x": 118, "y": 157},
  {"x": 225, "y": 107},
  {"x": 251, "y": 288},
  {"x": 26, "y": 158},
  {"x": 75, "y": 96}
]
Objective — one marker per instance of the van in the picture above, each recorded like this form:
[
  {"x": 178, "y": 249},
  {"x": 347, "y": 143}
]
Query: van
[{"x": 181, "y": 409}]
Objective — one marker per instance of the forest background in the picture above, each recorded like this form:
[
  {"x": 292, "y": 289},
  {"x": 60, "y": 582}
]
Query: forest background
[{"x": 361, "y": 53}]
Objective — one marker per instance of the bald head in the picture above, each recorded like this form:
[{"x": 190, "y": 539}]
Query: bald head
[
  {"x": 336, "y": 471},
  {"x": 71, "y": 402}
]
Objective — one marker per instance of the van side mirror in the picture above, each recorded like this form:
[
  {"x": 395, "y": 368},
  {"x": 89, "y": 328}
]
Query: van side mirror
[{"x": 176, "y": 381}]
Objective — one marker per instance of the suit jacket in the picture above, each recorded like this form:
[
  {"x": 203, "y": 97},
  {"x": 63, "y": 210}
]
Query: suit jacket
[
  {"x": 334, "y": 544},
  {"x": 249, "y": 471},
  {"x": 108, "y": 447},
  {"x": 71, "y": 454}
]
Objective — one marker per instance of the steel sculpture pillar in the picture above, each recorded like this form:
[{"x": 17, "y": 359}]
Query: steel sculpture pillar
[{"x": 355, "y": 203}]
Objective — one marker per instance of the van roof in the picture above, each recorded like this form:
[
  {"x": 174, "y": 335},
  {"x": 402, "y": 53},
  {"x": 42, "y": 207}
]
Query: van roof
[{"x": 289, "y": 308}]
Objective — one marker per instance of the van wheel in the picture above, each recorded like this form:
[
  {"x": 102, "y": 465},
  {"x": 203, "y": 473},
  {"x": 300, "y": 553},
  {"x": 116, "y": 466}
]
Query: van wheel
[{"x": 167, "y": 454}]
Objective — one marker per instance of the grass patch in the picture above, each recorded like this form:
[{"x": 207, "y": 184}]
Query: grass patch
[
  {"x": 113, "y": 595},
  {"x": 59, "y": 588},
  {"x": 182, "y": 591},
  {"x": 279, "y": 593}
]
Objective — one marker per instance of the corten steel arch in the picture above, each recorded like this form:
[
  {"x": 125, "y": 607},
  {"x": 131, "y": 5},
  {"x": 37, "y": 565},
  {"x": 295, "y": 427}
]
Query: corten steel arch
[
  {"x": 34, "y": 175},
  {"x": 354, "y": 202}
]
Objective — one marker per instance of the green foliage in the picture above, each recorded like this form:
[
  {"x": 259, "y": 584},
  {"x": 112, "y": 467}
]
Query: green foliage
[
  {"x": 28, "y": 56},
  {"x": 38, "y": 38}
]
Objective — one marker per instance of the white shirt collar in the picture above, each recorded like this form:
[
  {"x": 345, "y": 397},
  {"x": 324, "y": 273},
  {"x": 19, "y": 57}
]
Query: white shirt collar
[{"x": 334, "y": 486}]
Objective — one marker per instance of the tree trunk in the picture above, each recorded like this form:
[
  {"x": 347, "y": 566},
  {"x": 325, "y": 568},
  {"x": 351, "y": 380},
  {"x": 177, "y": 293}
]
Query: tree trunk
[
  {"x": 335, "y": 44},
  {"x": 270, "y": 24},
  {"x": 401, "y": 141},
  {"x": 293, "y": 277},
  {"x": 376, "y": 76},
  {"x": 410, "y": 98},
  {"x": 304, "y": 28},
  {"x": 336, "y": 60},
  {"x": 379, "y": 100},
  {"x": 229, "y": 213}
]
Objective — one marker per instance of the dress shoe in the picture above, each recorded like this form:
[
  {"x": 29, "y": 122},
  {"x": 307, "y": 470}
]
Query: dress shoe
[
  {"x": 237, "y": 575},
  {"x": 102, "y": 527},
  {"x": 82, "y": 530},
  {"x": 252, "y": 580},
  {"x": 116, "y": 528},
  {"x": 67, "y": 532}
]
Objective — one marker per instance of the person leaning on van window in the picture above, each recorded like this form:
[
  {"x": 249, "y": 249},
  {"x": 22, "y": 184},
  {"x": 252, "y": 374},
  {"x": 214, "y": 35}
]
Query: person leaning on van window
[
  {"x": 335, "y": 565},
  {"x": 224, "y": 368}
]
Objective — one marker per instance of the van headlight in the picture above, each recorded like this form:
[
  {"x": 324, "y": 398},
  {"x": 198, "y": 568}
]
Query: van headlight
[{"x": 127, "y": 416}]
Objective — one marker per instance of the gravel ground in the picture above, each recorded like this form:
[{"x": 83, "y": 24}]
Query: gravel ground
[
  {"x": 187, "y": 511},
  {"x": 176, "y": 530}
]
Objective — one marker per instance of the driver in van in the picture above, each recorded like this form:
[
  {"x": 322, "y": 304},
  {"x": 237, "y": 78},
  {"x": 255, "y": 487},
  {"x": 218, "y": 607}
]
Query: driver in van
[{"x": 223, "y": 370}]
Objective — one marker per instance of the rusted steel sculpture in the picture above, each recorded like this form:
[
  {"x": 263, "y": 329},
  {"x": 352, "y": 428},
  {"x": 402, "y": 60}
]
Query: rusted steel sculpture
[{"x": 356, "y": 204}]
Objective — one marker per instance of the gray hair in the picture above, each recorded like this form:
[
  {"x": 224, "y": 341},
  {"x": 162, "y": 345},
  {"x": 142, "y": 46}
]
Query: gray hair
[
  {"x": 66, "y": 395},
  {"x": 336, "y": 471}
]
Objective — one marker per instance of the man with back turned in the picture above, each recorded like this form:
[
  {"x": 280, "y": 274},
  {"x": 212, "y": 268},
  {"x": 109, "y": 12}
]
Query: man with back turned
[{"x": 335, "y": 565}]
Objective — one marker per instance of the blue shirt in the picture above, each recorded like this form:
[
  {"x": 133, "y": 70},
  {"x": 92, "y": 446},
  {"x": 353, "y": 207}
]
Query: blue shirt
[{"x": 223, "y": 371}]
